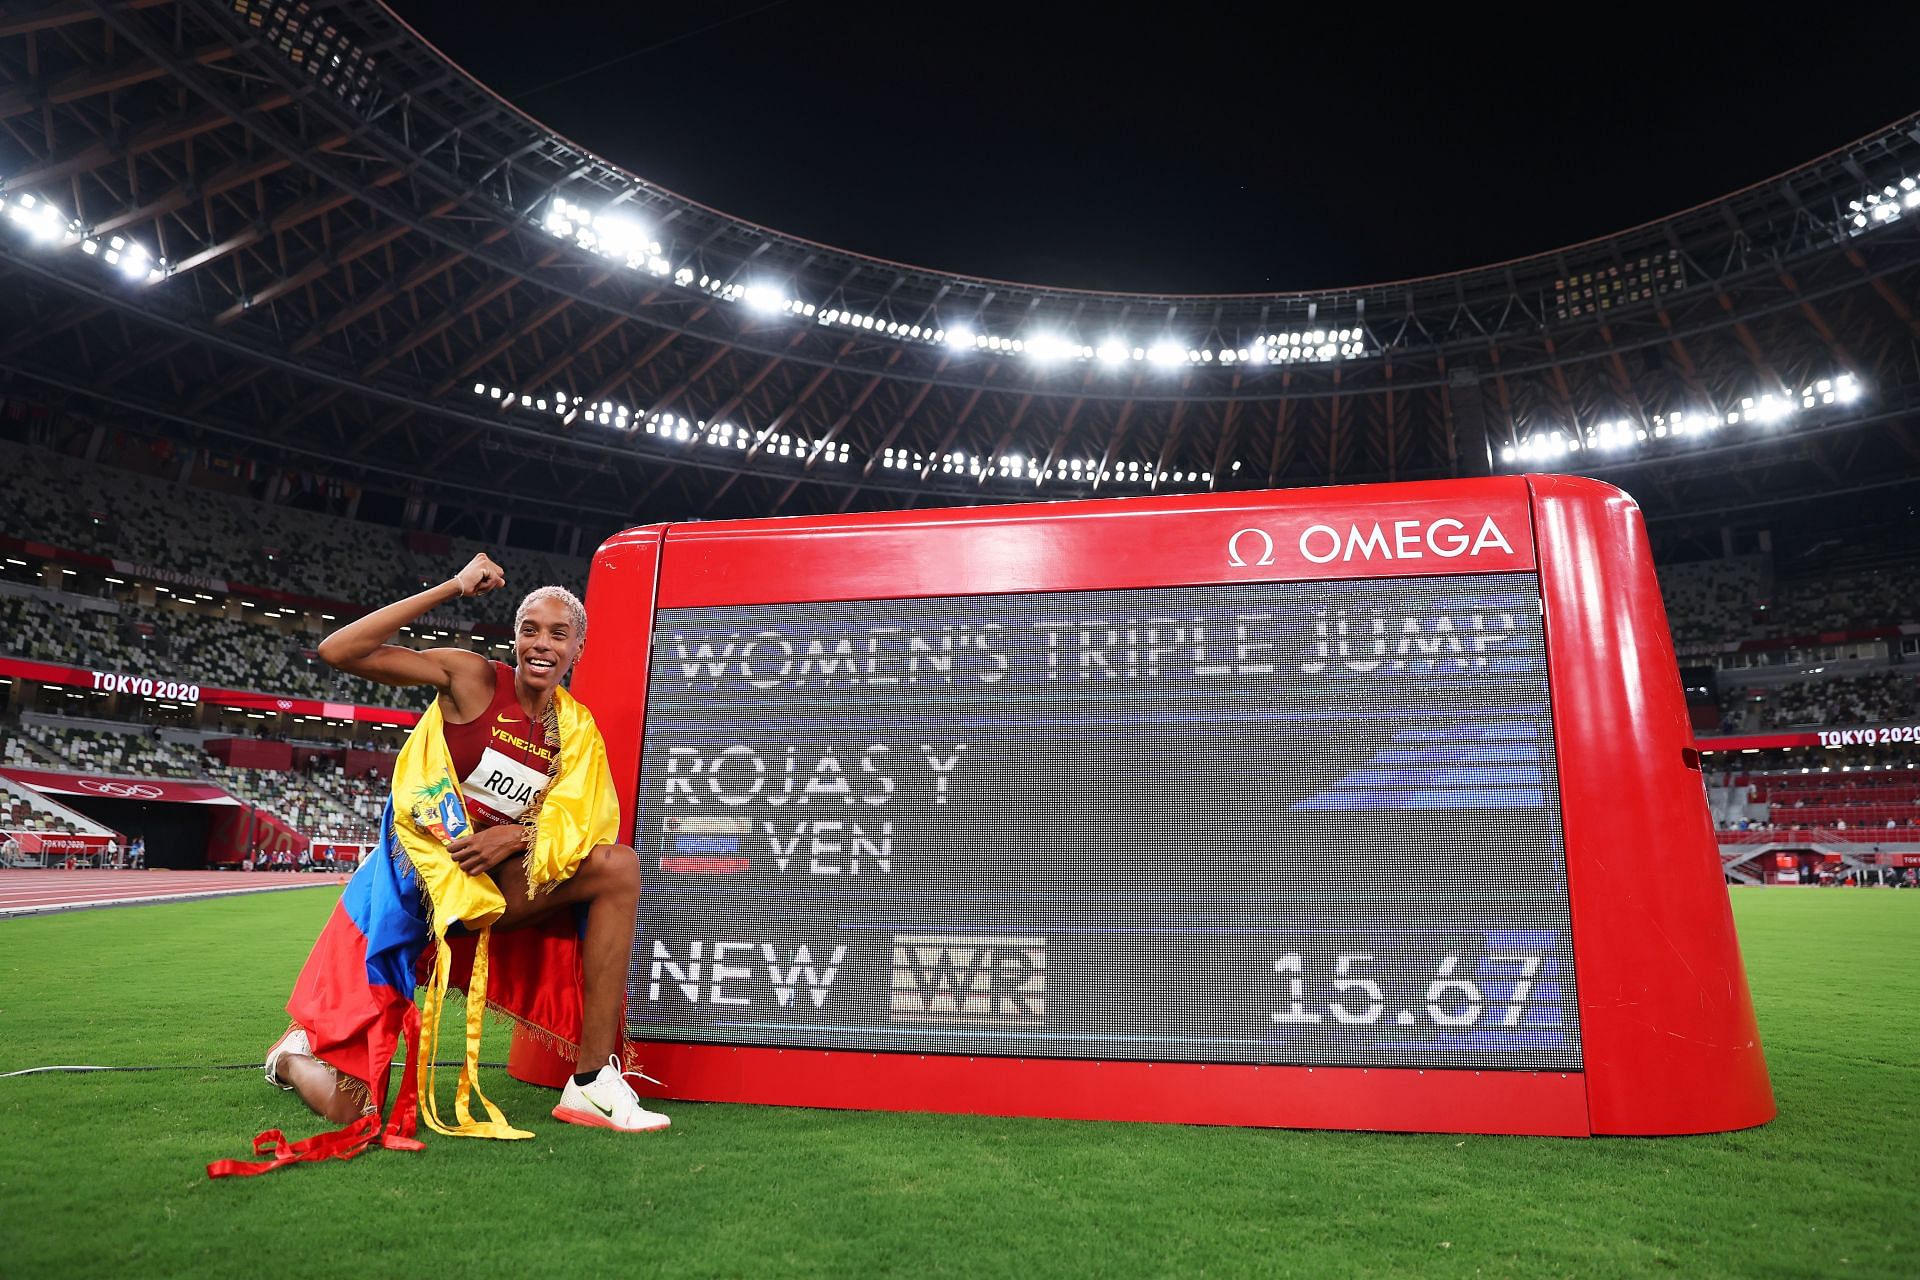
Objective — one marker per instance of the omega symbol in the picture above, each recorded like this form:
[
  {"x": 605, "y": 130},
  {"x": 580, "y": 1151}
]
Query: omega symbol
[{"x": 1265, "y": 541}]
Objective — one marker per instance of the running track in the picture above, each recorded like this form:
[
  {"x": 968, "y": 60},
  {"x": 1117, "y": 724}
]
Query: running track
[{"x": 32, "y": 892}]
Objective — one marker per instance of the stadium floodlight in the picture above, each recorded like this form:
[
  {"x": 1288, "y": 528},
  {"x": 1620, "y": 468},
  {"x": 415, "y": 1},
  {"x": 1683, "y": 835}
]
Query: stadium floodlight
[
  {"x": 1048, "y": 347},
  {"x": 1165, "y": 354},
  {"x": 1112, "y": 351},
  {"x": 764, "y": 297},
  {"x": 46, "y": 226},
  {"x": 961, "y": 338}
]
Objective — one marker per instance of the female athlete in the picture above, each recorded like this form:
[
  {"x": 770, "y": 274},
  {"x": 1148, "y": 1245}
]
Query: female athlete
[{"x": 531, "y": 773}]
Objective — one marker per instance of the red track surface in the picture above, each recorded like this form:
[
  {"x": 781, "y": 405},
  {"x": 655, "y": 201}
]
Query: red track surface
[{"x": 25, "y": 892}]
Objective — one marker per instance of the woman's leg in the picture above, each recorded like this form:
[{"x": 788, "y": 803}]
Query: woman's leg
[
  {"x": 318, "y": 1086},
  {"x": 608, "y": 884}
]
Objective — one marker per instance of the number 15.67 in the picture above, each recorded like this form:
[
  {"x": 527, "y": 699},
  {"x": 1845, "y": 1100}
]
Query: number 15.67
[{"x": 1452, "y": 1000}]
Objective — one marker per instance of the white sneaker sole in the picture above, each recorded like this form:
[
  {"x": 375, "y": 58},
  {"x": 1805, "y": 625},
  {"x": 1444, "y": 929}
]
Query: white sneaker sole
[
  {"x": 284, "y": 1045},
  {"x": 594, "y": 1120}
]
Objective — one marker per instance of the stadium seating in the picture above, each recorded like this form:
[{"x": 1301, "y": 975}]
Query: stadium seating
[
  {"x": 1882, "y": 698},
  {"x": 134, "y": 753},
  {"x": 1873, "y": 699},
  {"x": 323, "y": 802},
  {"x": 1865, "y": 802},
  {"x": 121, "y": 514},
  {"x": 173, "y": 641},
  {"x": 1838, "y": 599},
  {"x": 1713, "y": 604},
  {"x": 22, "y": 809},
  {"x": 1711, "y": 601}
]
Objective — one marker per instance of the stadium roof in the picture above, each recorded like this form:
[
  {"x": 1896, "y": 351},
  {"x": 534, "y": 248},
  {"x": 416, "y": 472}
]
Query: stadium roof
[{"x": 301, "y": 226}]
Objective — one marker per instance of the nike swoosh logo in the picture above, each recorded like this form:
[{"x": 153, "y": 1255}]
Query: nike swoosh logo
[
  {"x": 605, "y": 1111},
  {"x": 504, "y": 718}
]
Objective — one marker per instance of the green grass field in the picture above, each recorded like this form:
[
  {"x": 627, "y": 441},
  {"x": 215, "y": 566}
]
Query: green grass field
[{"x": 102, "y": 1175}]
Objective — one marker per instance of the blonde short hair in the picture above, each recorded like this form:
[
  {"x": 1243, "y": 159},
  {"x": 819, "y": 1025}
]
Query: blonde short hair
[{"x": 576, "y": 612}]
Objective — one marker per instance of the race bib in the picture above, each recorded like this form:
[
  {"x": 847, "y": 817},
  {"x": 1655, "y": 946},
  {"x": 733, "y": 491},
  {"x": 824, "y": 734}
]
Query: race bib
[{"x": 505, "y": 787}]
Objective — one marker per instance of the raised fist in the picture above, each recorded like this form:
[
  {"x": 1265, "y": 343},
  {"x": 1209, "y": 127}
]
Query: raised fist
[{"x": 480, "y": 576}]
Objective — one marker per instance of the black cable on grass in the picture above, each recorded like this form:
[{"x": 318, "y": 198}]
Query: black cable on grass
[{"x": 183, "y": 1066}]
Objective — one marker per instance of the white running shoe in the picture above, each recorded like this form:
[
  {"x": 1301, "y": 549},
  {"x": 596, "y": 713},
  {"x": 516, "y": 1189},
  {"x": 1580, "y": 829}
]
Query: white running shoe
[
  {"x": 294, "y": 1041},
  {"x": 609, "y": 1102}
]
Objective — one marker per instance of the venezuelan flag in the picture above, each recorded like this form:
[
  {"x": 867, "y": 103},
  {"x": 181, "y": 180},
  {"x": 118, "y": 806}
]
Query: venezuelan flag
[{"x": 410, "y": 915}]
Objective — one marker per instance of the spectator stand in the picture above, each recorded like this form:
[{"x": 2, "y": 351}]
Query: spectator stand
[
  {"x": 1709, "y": 601},
  {"x": 47, "y": 833},
  {"x": 309, "y": 793},
  {"x": 1788, "y": 810},
  {"x": 106, "y": 511}
]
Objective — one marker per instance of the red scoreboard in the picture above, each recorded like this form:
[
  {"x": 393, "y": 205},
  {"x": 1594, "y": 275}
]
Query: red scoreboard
[{"x": 1368, "y": 808}]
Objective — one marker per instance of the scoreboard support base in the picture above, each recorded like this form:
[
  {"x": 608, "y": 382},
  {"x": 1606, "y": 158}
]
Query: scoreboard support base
[
  {"x": 1494, "y": 1102},
  {"x": 1550, "y": 1103}
]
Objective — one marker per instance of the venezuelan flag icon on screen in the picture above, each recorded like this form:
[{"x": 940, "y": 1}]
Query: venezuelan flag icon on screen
[{"x": 704, "y": 845}]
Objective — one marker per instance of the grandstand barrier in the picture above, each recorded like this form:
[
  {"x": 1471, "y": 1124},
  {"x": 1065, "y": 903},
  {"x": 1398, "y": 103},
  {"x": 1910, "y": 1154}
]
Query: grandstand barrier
[
  {"x": 1861, "y": 735},
  {"x": 239, "y": 835},
  {"x": 45, "y": 848},
  {"x": 252, "y": 753},
  {"x": 1812, "y": 837},
  {"x": 181, "y": 687},
  {"x": 1255, "y": 808}
]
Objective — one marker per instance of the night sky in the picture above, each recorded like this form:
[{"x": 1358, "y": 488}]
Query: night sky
[{"x": 1207, "y": 149}]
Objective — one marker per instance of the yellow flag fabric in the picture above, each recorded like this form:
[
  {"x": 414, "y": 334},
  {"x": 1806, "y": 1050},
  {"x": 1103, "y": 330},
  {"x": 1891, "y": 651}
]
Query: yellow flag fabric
[{"x": 578, "y": 811}]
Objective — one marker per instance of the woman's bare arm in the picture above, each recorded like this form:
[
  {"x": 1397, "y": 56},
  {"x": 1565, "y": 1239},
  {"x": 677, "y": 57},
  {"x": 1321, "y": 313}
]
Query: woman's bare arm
[{"x": 360, "y": 648}]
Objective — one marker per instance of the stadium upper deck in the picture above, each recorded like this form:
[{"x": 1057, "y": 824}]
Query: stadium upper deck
[{"x": 300, "y": 226}]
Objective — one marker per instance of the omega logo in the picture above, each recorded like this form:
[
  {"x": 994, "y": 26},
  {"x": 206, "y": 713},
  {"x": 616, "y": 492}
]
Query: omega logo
[
  {"x": 1445, "y": 539},
  {"x": 1261, "y": 537}
]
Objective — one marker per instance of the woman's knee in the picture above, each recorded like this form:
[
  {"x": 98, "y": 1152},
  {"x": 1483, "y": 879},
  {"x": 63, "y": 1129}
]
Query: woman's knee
[{"x": 615, "y": 869}]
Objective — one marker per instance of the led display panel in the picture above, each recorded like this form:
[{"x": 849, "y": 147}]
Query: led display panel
[{"x": 1298, "y": 823}]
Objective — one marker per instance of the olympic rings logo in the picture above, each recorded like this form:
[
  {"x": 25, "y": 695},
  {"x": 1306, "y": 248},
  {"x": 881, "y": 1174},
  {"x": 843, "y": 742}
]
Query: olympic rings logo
[{"x": 121, "y": 790}]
